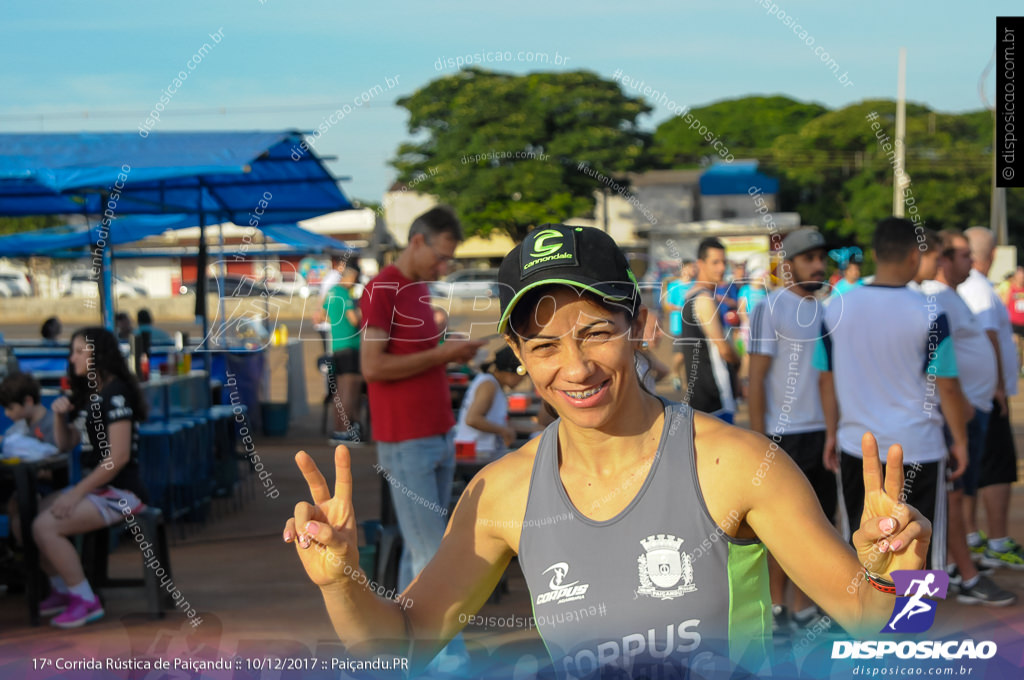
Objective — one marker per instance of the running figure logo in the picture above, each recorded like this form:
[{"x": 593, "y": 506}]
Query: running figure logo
[
  {"x": 912, "y": 613},
  {"x": 560, "y": 569},
  {"x": 560, "y": 591}
]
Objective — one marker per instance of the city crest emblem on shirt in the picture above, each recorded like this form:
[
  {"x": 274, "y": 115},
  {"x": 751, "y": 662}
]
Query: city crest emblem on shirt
[{"x": 665, "y": 571}]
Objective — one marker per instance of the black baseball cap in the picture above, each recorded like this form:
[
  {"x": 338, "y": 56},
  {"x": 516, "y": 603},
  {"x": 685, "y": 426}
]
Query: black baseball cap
[{"x": 582, "y": 257}]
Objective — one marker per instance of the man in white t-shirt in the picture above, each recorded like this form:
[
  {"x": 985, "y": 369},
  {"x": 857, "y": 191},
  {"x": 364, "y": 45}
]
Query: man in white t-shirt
[
  {"x": 999, "y": 461},
  {"x": 783, "y": 395},
  {"x": 887, "y": 363},
  {"x": 976, "y": 362}
]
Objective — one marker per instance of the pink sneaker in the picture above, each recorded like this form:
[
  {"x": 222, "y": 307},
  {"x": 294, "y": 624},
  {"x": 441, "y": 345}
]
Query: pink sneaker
[
  {"x": 78, "y": 613},
  {"x": 55, "y": 603}
]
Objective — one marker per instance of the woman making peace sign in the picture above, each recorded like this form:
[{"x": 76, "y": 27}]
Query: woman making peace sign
[{"x": 635, "y": 506}]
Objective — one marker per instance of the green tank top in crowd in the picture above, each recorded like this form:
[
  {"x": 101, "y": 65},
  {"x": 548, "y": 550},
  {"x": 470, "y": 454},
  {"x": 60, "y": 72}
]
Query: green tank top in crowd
[{"x": 344, "y": 334}]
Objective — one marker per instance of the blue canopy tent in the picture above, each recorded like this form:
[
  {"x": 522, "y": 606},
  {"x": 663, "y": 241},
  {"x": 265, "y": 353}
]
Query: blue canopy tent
[
  {"x": 249, "y": 178},
  {"x": 68, "y": 240},
  {"x": 297, "y": 237}
]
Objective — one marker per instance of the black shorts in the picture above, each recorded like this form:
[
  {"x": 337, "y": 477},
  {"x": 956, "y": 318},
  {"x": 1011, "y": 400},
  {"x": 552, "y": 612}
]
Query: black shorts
[
  {"x": 999, "y": 461},
  {"x": 806, "y": 449},
  {"x": 977, "y": 429},
  {"x": 1018, "y": 329},
  {"x": 924, "y": 490},
  {"x": 346, "y": 361}
]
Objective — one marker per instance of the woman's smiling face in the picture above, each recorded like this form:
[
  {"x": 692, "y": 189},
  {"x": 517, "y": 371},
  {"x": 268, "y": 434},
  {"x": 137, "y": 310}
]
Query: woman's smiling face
[{"x": 580, "y": 356}]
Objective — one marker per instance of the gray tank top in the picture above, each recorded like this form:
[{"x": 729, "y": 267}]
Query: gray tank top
[{"x": 657, "y": 590}]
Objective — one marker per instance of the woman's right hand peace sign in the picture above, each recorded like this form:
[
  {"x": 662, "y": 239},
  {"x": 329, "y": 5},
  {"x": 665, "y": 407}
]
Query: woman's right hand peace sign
[{"x": 324, "y": 532}]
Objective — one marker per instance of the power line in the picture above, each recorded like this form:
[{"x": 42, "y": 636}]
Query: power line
[{"x": 855, "y": 159}]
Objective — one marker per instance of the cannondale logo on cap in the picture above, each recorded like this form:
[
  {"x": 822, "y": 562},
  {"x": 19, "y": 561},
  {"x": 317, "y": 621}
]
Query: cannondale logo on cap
[
  {"x": 541, "y": 247},
  {"x": 548, "y": 248}
]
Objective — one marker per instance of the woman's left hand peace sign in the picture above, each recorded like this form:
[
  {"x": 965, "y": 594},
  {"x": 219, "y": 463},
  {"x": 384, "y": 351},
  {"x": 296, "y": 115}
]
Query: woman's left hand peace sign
[
  {"x": 327, "y": 524},
  {"x": 892, "y": 534}
]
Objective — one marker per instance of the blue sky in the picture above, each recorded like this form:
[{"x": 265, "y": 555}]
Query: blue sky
[{"x": 75, "y": 66}]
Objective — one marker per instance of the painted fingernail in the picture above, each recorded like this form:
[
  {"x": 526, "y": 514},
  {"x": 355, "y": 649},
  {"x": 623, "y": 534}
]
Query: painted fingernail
[
  {"x": 312, "y": 528},
  {"x": 288, "y": 536},
  {"x": 883, "y": 546},
  {"x": 887, "y": 524},
  {"x": 897, "y": 544},
  {"x": 304, "y": 541}
]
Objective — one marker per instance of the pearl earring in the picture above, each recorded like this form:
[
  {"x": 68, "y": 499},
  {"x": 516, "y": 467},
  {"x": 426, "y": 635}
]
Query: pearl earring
[{"x": 520, "y": 369}]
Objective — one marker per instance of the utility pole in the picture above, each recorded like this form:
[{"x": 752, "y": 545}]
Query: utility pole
[
  {"x": 997, "y": 204},
  {"x": 899, "y": 179},
  {"x": 997, "y": 209}
]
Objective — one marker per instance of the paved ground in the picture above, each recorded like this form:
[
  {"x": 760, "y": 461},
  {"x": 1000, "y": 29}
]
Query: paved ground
[{"x": 255, "y": 601}]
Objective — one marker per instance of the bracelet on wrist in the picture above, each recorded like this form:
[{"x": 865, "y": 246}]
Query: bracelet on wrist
[{"x": 880, "y": 584}]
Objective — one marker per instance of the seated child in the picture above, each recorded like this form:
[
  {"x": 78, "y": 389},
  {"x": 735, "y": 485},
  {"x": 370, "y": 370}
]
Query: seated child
[
  {"x": 20, "y": 398},
  {"x": 31, "y": 422}
]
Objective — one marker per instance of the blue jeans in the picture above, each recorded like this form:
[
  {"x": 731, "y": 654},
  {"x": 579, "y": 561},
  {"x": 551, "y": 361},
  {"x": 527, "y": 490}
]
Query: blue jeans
[{"x": 420, "y": 473}]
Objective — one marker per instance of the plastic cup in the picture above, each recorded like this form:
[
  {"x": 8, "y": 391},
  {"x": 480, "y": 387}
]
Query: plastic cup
[{"x": 518, "y": 402}]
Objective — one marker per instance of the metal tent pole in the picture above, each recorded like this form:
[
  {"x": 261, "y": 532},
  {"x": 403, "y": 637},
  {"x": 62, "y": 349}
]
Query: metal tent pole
[{"x": 201, "y": 258}]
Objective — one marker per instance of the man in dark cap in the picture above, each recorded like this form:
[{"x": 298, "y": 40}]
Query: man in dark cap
[{"x": 784, "y": 400}]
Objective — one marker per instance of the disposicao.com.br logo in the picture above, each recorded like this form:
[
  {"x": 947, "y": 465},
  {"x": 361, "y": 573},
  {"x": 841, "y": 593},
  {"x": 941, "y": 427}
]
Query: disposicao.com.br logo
[{"x": 914, "y": 612}]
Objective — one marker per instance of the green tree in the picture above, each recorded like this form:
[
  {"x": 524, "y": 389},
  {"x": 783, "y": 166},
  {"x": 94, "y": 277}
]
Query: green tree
[
  {"x": 747, "y": 126},
  {"x": 833, "y": 168},
  {"x": 471, "y": 125},
  {"x": 837, "y": 174}
]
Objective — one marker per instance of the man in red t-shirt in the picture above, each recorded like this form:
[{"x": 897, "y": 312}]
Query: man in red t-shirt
[{"x": 410, "y": 402}]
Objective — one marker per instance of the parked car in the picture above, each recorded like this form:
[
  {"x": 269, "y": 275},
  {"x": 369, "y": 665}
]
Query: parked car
[
  {"x": 468, "y": 283},
  {"x": 84, "y": 284},
  {"x": 235, "y": 285},
  {"x": 14, "y": 284},
  {"x": 291, "y": 284}
]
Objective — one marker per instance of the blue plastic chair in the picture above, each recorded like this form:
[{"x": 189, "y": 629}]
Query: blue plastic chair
[
  {"x": 196, "y": 460},
  {"x": 157, "y": 444}
]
